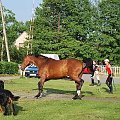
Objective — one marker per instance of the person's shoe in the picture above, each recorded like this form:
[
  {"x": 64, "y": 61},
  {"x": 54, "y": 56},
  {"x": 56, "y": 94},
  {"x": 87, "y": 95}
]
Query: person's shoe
[
  {"x": 111, "y": 89},
  {"x": 99, "y": 83},
  {"x": 91, "y": 84}
]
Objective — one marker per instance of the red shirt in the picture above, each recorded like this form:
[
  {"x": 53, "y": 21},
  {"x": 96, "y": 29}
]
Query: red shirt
[{"x": 108, "y": 68}]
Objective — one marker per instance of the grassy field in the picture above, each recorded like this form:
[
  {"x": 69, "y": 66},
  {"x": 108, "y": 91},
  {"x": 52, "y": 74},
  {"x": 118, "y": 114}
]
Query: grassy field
[{"x": 97, "y": 103}]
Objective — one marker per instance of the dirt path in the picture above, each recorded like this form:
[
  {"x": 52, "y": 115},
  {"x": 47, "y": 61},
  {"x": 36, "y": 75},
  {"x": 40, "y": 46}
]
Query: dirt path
[
  {"x": 9, "y": 77},
  {"x": 53, "y": 96}
]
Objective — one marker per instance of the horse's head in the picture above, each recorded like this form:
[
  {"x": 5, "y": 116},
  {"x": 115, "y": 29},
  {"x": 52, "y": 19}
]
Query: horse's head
[
  {"x": 89, "y": 63},
  {"x": 26, "y": 62},
  {"x": 37, "y": 60}
]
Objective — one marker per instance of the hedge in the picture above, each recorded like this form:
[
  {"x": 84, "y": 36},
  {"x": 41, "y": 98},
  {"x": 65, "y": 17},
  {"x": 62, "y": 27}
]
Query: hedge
[{"x": 8, "y": 68}]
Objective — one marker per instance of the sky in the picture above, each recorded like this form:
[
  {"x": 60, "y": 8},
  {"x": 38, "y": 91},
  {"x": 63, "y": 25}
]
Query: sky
[{"x": 21, "y": 8}]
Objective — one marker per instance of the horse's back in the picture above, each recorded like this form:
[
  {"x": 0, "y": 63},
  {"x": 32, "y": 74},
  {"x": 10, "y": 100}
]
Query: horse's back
[
  {"x": 75, "y": 66},
  {"x": 61, "y": 68},
  {"x": 65, "y": 63},
  {"x": 75, "y": 62},
  {"x": 56, "y": 68}
]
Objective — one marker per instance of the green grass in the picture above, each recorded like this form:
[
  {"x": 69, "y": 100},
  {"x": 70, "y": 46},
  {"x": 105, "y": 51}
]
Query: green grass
[{"x": 63, "y": 109}]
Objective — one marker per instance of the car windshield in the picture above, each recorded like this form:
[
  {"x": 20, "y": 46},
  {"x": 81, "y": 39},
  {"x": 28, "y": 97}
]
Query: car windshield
[{"x": 32, "y": 67}]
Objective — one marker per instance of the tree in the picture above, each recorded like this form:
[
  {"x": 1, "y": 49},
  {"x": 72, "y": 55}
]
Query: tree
[
  {"x": 108, "y": 32},
  {"x": 71, "y": 18},
  {"x": 76, "y": 28}
]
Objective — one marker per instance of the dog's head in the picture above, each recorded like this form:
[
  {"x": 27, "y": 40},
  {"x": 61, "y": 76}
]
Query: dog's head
[{"x": 1, "y": 84}]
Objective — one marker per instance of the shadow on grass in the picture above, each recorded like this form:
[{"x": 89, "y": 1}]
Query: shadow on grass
[
  {"x": 88, "y": 92},
  {"x": 18, "y": 108},
  {"x": 57, "y": 91},
  {"x": 106, "y": 89}
]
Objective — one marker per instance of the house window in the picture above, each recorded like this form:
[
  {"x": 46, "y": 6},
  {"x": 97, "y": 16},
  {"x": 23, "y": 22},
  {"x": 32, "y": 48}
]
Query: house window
[{"x": 21, "y": 45}]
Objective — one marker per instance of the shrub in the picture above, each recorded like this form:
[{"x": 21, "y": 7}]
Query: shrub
[{"x": 8, "y": 68}]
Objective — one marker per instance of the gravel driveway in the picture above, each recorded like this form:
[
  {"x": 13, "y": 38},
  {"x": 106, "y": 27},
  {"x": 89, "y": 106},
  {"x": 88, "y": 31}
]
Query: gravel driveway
[
  {"x": 9, "y": 77},
  {"x": 86, "y": 77}
]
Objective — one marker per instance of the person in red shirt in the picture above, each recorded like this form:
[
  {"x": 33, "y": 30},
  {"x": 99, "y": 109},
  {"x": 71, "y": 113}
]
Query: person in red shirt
[{"x": 109, "y": 78}]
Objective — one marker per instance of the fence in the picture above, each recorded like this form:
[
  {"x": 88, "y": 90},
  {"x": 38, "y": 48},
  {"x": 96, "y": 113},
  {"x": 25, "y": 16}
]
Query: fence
[{"x": 115, "y": 69}]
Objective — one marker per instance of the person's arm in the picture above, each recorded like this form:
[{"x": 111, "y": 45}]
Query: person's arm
[{"x": 104, "y": 70}]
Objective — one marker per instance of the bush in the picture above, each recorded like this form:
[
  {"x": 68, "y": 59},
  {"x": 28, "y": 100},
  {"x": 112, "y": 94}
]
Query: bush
[{"x": 8, "y": 68}]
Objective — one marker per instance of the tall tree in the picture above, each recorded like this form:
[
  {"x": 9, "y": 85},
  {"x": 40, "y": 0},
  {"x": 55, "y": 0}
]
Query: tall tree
[
  {"x": 108, "y": 30},
  {"x": 62, "y": 27},
  {"x": 76, "y": 28}
]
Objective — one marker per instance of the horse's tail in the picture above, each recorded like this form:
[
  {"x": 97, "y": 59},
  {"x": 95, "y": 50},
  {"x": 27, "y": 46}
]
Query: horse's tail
[{"x": 88, "y": 63}]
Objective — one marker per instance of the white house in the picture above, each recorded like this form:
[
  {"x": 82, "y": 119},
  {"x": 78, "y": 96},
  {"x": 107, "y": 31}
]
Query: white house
[{"x": 21, "y": 39}]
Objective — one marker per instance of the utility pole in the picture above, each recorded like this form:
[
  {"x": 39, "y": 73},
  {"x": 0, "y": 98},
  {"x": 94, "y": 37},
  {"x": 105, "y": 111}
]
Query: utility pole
[
  {"x": 30, "y": 38},
  {"x": 4, "y": 31},
  {"x": 2, "y": 49}
]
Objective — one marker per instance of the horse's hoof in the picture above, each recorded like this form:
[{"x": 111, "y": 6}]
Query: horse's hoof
[
  {"x": 14, "y": 114},
  {"x": 37, "y": 96},
  {"x": 76, "y": 97}
]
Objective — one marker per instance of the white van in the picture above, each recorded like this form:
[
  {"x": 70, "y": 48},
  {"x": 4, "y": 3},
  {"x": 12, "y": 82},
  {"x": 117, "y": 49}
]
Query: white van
[{"x": 53, "y": 56}]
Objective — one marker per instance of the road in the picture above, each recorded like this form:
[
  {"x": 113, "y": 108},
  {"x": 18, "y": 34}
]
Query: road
[
  {"x": 102, "y": 78},
  {"x": 86, "y": 78}
]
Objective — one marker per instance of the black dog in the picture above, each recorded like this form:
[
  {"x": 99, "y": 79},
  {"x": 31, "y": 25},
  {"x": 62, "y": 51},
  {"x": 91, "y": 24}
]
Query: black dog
[
  {"x": 6, "y": 104},
  {"x": 6, "y": 100}
]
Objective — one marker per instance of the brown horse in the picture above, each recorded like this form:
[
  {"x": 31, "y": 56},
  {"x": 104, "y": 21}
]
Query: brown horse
[{"x": 56, "y": 69}]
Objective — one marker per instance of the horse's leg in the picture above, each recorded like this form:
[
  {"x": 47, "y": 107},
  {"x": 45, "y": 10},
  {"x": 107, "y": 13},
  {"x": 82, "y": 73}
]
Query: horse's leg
[
  {"x": 79, "y": 83},
  {"x": 40, "y": 87},
  {"x": 78, "y": 89},
  {"x": 79, "y": 86}
]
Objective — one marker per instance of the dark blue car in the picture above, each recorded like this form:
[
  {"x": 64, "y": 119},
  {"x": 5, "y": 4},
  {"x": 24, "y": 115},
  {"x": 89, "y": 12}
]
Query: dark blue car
[{"x": 31, "y": 71}]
